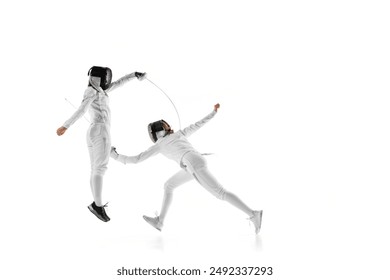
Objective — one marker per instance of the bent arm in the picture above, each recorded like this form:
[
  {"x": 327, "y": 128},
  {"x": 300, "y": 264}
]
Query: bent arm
[
  {"x": 120, "y": 82},
  {"x": 153, "y": 150},
  {"x": 89, "y": 96},
  {"x": 194, "y": 127}
]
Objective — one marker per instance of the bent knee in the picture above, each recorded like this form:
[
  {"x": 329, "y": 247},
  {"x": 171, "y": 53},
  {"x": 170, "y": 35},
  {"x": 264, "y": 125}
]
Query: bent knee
[
  {"x": 220, "y": 193},
  {"x": 169, "y": 186},
  {"x": 99, "y": 170}
]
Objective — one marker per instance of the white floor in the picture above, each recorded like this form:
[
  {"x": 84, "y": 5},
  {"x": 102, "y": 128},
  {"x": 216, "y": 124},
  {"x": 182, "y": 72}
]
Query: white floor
[{"x": 315, "y": 235}]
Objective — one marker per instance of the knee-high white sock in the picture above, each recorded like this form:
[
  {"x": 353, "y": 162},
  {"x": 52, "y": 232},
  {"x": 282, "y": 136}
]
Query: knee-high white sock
[
  {"x": 235, "y": 201},
  {"x": 91, "y": 186},
  {"x": 97, "y": 188},
  {"x": 167, "y": 201}
]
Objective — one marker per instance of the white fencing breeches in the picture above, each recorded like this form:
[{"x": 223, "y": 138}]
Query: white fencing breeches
[
  {"x": 196, "y": 168},
  {"x": 196, "y": 165},
  {"x": 99, "y": 145}
]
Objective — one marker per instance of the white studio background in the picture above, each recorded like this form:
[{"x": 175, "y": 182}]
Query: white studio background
[{"x": 302, "y": 133}]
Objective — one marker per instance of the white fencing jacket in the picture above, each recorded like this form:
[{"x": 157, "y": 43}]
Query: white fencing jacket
[
  {"x": 98, "y": 103},
  {"x": 174, "y": 146}
]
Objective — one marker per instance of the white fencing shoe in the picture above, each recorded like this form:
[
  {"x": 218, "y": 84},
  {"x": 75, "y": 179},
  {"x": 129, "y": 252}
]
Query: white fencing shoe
[
  {"x": 154, "y": 222},
  {"x": 256, "y": 220}
]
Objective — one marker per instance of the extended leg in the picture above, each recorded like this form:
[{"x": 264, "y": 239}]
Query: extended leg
[
  {"x": 208, "y": 181},
  {"x": 99, "y": 160},
  {"x": 99, "y": 147}
]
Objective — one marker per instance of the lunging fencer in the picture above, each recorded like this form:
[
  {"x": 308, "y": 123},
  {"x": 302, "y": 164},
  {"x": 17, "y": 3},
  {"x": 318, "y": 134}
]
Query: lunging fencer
[
  {"x": 175, "y": 146},
  {"x": 98, "y": 135}
]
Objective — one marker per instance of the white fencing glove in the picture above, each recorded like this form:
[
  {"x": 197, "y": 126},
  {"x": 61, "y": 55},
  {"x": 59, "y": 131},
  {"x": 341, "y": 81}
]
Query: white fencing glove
[{"x": 114, "y": 153}]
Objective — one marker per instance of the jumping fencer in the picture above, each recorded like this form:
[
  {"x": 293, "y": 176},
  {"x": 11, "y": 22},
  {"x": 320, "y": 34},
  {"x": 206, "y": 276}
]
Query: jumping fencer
[
  {"x": 175, "y": 146},
  {"x": 98, "y": 135}
]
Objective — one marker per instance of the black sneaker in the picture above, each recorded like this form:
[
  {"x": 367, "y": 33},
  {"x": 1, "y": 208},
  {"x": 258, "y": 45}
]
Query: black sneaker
[{"x": 99, "y": 211}]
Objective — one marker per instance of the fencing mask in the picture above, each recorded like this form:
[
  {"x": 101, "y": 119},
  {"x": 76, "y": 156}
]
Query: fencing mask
[
  {"x": 156, "y": 130},
  {"x": 104, "y": 73}
]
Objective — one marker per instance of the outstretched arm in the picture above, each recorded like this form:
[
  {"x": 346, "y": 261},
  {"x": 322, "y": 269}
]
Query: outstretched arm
[
  {"x": 120, "y": 82},
  {"x": 194, "y": 127},
  {"x": 153, "y": 150},
  {"x": 89, "y": 96}
]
